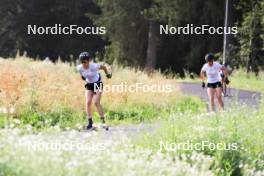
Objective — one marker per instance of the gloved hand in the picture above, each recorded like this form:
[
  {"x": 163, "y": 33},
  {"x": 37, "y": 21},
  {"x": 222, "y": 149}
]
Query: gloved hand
[
  {"x": 203, "y": 85},
  {"x": 109, "y": 75},
  {"x": 227, "y": 81}
]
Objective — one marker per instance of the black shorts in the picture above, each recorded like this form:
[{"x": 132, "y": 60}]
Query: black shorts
[
  {"x": 214, "y": 85},
  {"x": 97, "y": 86}
]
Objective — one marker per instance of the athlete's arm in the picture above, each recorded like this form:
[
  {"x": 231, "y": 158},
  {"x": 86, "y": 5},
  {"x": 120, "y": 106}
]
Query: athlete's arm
[
  {"x": 103, "y": 67},
  {"x": 79, "y": 70},
  {"x": 83, "y": 78},
  {"x": 224, "y": 70},
  {"x": 202, "y": 75}
]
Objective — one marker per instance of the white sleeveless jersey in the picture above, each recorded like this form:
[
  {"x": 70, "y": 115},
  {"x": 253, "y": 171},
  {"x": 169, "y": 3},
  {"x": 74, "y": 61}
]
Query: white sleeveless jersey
[
  {"x": 91, "y": 74},
  {"x": 212, "y": 73}
]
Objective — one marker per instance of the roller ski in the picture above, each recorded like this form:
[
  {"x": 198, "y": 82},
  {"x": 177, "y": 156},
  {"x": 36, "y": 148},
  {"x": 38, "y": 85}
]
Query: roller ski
[
  {"x": 95, "y": 127},
  {"x": 90, "y": 128},
  {"x": 104, "y": 126}
]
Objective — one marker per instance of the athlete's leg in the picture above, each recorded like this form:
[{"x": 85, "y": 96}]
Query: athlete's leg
[
  {"x": 224, "y": 87},
  {"x": 222, "y": 82},
  {"x": 89, "y": 97},
  {"x": 219, "y": 97},
  {"x": 97, "y": 103},
  {"x": 211, "y": 94}
]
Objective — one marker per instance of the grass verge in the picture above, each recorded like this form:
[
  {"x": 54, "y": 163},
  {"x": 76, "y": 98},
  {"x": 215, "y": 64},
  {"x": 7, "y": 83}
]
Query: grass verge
[{"x": 234, "y": 138}]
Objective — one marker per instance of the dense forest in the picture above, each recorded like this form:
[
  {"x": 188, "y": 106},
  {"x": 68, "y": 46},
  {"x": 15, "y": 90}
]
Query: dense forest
[{"x": 132, "y": 31}]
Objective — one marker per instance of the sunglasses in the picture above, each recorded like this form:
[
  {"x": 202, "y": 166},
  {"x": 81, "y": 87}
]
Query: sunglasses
[{"x": 84, "y": 62}]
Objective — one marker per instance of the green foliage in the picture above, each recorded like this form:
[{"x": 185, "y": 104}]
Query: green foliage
[
  {"x": 5, "y": 170},
  {"x": 251, "y": 43},
  {"x": 144, "y": 113},
  {"x": 248, "y": 81},
  {"x": 126, "y": 30},
  {"x": 190, "y": 104},
  {"x": 135, "y": 114},
  {"x": 240, "y": 127},
  {"x": 128, "y": 27},
  {"x": 65, "y": 117},
  {"x": 3, "y": 121},
  {"x": 16, "y": 15},
  {"x": 182, "y": 51},
  {"x": 61, "y": 116}
]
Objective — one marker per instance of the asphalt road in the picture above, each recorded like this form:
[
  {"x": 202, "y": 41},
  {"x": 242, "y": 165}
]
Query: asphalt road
[{"x": 249, "y": 98}]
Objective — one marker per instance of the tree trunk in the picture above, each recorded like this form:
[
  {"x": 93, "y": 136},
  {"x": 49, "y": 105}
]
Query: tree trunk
[{"x": 152, "y": 46}]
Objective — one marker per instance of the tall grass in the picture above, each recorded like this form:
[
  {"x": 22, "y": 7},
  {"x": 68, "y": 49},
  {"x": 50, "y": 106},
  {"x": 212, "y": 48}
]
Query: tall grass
[
  {"x": 240, "y": 127},
  {"x": 73, "y": 153},
  {"x": 44, "y": 95},
  {"x": 36, "y": 92},
  {"x": 240, "y": 79},
  {"x": 46, "y": 83}
]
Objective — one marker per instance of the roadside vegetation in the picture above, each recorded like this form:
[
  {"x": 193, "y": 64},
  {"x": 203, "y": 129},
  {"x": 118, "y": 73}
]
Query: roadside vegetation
[
  {"x": 42, "y": 106},
  {"x": 44, "y": 94}
]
